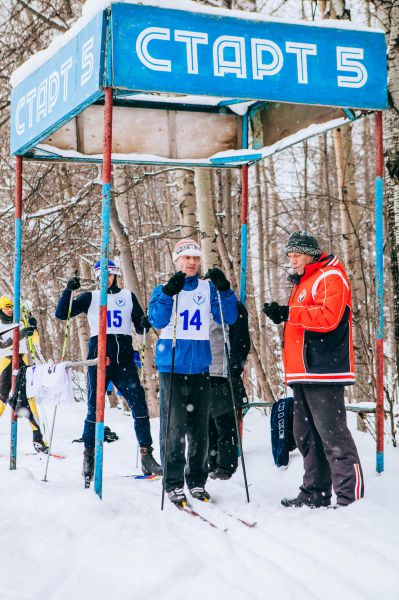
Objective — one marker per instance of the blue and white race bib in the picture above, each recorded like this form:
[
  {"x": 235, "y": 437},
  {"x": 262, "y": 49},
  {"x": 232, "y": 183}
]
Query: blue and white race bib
[
  {"x": 193, "y": 314},
  {"x": 119, "y": 312}
]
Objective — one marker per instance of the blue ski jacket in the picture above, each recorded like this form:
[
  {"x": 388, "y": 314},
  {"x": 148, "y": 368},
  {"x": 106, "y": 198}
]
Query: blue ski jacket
[{"x": 191, "y": 356}]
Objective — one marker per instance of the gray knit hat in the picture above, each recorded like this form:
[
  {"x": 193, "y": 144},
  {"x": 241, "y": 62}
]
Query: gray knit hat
[{"x": 303, "y": 243}]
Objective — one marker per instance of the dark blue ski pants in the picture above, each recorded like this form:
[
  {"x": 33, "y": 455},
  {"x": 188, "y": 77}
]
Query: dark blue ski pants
[{"x": 126, "y": 380}]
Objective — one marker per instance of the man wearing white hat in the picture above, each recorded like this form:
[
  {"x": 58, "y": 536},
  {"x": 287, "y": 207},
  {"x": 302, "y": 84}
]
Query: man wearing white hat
[{"x": 195, "y": 300}]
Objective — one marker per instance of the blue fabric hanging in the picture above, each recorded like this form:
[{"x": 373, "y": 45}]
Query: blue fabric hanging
[{"x": 281, "y": 426}]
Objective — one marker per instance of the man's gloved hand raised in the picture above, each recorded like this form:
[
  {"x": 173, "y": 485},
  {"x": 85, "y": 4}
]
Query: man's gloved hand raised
[
  {"x": 276, "y": 312},
  {"x": 218, "y": 279},
  {"x": 32, "y": 326},
  {"x": 144, "y": 322},
  {"x": 175, "y": 284},
  {"x": 73, "y": 283}
]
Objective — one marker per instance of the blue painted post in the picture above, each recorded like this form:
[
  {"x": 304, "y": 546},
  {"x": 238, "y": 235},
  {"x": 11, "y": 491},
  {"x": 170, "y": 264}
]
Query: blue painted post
[
  {"x": 17, "y": 303},
  {"x": 379, "y": 287},
  {"x": 244, "y": 216},
  {"x": 102, "y": 331}
]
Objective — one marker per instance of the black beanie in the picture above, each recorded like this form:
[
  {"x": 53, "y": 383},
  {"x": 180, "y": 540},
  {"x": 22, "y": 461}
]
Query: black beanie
[{"x": 302, "y": 243}]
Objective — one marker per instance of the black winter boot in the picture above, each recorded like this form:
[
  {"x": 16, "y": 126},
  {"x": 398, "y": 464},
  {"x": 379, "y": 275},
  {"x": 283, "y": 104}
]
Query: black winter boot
[
  {"x": 88, "y": 465},
  {"x": 148, "y": 463},
  {"x": 38, "y": 442},
  {"x": 220, "y": 474},
  {"x": 300, "y": 502}
]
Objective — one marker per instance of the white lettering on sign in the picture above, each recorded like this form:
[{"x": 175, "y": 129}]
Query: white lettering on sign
[
  {"x": 53, "y": 90},
  {"x": 259, "y": 68},
  {"x": 347, "y": 61},
  {"x": 87, "y": 61},
  {"x": 302, "y": 52},
  {"x": 222, "y": 64},
  {"x": 229, "y": 56},
  {"x": 20, "y": 127},
  {"x": 191, "y": 39},
  {"x": 65, "y": 67},
  {"x": 41, "y": 100},
  {"x": 145, "y": 37},
  {"x": 30, "y": 96}
]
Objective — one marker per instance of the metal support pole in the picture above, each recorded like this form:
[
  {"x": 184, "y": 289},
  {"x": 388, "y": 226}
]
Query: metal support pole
[
  {"x": 102, "y": 317},
  {"x": 17, "y": 302},
  {"x": 244, "y": 216},
  {"x": 379, "y": 287}
]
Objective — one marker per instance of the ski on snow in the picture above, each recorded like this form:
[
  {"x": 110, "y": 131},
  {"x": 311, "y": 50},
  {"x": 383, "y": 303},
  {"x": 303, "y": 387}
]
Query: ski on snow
[
  {"x": 190, "y": 511},
  {"x": 243, "y": 521},
  {"x": 144, "y": 477},
  {"x": 238, "y": 519},
  {"x": 41, "y": 454}
]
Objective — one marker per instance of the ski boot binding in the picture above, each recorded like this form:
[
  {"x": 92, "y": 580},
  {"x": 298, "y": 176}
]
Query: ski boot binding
[
  {"x": 178, "y": 497},
  {"x": 200, "y": 493},
  {"x": 38, "y": 442}
]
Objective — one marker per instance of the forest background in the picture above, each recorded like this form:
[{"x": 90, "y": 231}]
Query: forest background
[{"x": 324, "y": 185}]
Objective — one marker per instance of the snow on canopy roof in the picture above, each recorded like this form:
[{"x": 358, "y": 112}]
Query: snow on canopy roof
[{"x": 93, "y": 7}]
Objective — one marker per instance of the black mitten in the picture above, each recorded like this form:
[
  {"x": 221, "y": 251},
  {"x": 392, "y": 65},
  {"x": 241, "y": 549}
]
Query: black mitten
[
  {"x": 276, "y": 312},
  {"x": 73, "y": 283},
  {"x": 175, "y": 284},
  {"x": 218, "y": 279}
]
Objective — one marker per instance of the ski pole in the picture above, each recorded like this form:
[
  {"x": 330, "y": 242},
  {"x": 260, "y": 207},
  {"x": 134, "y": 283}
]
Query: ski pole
[
  {"x": 169, "y": 402},
  {"x": 142, "y": 357},
  {"x": 62, "y": 358},
  {"x": 226, "y": 350}
]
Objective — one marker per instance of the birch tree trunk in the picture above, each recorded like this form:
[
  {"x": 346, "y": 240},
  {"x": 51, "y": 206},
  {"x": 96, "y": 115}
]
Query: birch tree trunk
[
  {"x": 350, "y": 233},
  {"x": 185, "y": 192},
  {"x": 206, "y": 219},
  {"x": 120, "y": 228}
]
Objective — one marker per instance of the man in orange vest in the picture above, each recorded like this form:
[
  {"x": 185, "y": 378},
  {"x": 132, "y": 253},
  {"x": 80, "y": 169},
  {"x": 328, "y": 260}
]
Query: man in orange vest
[{"x": 318, "y": 363}]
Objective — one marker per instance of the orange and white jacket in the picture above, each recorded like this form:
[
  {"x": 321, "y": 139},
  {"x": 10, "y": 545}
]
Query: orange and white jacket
[{"x": 318, "y": 346}]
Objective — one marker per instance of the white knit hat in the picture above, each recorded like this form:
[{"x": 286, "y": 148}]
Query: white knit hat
[{"x": 186, "y": 247}]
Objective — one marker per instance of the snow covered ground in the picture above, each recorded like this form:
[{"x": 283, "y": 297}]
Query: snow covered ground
[{"x": 60, "y": 542}]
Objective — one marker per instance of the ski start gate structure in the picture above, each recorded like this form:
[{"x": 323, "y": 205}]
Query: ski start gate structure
[{"x": 202, "y": 87}]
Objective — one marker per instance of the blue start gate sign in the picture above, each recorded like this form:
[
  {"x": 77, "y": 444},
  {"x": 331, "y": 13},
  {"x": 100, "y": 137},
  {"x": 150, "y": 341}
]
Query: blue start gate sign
[
  {"x": 157, "y": 49},
  {"x": 168, "y": 50}
]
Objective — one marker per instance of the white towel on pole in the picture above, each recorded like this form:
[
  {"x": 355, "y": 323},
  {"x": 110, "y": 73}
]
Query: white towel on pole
[{"x": 50, "y": 383}]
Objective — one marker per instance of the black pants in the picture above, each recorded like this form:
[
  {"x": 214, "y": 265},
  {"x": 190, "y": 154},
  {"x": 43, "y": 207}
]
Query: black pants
[
  {"x": 223, "y": 451},
  {"x": 329, "y": 453},
  {"x": 5, "y": 388},
  {"x": 189, "y": 416},
  {"x": 127, "y": 382}
]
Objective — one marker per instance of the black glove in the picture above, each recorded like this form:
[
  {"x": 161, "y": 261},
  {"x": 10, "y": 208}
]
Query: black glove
[
  {"x": 175, "y": 284},
  {"x": 32, "y": 322},
  {"x": 276, "y": 312},
  {"x": 144, "y": 322},
  {"x": 218, "y": 279},
  {"x": 32, "y": 326},
  {"x": 73, "y": 283}
]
